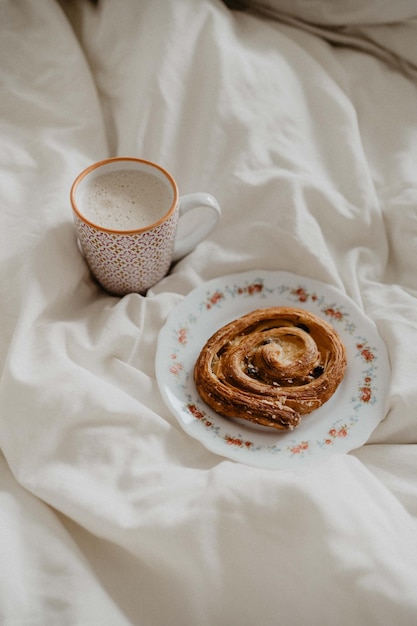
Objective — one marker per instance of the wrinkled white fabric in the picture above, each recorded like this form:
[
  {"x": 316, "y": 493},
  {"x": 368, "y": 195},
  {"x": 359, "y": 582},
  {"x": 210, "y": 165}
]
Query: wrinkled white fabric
[{"x": 111, "y": 514}]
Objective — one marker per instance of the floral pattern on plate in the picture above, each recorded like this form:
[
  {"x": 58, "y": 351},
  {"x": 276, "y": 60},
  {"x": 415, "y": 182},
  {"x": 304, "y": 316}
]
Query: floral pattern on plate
[{"x": 345, "y": 422}]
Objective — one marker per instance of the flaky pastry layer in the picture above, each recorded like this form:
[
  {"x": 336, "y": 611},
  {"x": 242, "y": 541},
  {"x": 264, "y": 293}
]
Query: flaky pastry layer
[{"x": 271, "y": 366}]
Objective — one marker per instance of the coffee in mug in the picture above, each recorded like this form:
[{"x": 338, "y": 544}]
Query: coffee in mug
[
  {"x": 126, "y": 212},
  {"x": 126, "y": 200}
]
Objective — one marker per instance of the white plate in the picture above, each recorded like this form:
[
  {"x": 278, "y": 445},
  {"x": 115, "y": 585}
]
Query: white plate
[{"x": 345, "y": 422}]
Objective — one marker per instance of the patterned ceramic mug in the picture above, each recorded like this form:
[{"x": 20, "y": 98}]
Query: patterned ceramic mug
[{"x": 126, "y": 212}]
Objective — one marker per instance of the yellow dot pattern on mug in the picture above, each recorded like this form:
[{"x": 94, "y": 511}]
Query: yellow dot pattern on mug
[{"x": 130, "y": 263}]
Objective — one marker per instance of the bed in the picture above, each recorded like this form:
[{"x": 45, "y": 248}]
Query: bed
[{"x": 301, "y": 119}]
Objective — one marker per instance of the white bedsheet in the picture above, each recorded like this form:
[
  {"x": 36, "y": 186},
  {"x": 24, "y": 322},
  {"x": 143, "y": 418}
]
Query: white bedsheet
[{"x": 110, "y": 513}]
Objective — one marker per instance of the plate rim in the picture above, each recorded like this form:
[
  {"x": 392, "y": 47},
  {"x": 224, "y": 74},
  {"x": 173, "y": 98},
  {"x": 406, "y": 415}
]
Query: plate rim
[{"x": 234, "y": 452}]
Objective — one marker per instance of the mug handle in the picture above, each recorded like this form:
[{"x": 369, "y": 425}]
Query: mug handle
[{"x": 206, "y": 217}]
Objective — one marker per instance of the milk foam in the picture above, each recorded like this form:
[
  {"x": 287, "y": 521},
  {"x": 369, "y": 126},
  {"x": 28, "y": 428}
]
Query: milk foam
[{"x": 126, "y": 200}]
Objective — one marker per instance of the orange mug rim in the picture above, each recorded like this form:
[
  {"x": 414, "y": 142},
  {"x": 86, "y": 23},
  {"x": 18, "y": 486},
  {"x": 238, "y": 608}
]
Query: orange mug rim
[{"x": 115, "y": 231}]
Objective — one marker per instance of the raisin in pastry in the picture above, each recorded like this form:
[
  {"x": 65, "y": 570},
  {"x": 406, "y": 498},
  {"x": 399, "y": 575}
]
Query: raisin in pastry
[{"x": 271, "y": 366}]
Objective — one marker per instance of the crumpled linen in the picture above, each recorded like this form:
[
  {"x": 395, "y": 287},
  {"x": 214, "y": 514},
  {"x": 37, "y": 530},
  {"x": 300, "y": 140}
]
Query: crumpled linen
[
  {"x": 383, "y": 29},
  {"x": 315, "y": 173}
]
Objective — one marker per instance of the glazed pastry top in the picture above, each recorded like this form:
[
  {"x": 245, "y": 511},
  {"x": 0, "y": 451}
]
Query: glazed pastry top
[{"x": 271, "y": 366}]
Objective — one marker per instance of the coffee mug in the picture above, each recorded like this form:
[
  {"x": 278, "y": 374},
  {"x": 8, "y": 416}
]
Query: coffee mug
[{"x": 126, "y": 212}]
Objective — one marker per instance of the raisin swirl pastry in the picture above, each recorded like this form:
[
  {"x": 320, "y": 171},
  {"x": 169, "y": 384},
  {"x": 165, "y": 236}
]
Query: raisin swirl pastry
[{"x": 271, "y": 366}]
